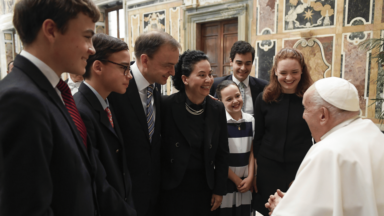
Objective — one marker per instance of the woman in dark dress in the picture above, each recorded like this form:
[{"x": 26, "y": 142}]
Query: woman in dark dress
[
  {"x": 194, "y": 142},
  {"x": 282, "y": 137}
]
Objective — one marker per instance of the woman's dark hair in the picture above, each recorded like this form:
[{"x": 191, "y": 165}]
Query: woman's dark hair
[
  {"x": 273, "y": 90},
  {"x": 222, "y": 86},
  {"x": 105, "y": 46},
  {"x": 185, "y": 66}
]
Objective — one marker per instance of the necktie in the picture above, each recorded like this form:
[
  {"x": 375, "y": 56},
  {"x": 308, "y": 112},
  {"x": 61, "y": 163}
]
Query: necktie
[
  {"x": 72, "y": 109},
  {"x": 242, "y": 87},
  {"x": 108, "y": 111},
  {"x": 149, "y": 112}
]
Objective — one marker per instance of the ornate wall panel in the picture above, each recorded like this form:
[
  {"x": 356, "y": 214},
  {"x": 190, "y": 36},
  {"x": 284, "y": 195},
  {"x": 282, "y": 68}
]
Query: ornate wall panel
[
  {"x": 318, "y": 54},
  {"x": 356, "y": 65},
  {"x": 309, "y": 14},
  {"x": 154, "y": 21},
  {"x": 358, "y": 12},
  {"x": 265, "y": 53},
  {"x": 174, "y": 23},
  {"x": 267, "y": 16},
  {"x": 8, "y": 6},
  {"x": 135, "y": 32},
  {"x": 380, "y": 89}
]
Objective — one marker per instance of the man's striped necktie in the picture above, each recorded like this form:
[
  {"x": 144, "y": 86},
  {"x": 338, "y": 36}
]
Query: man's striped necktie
[{"x": 149, "y": 112}]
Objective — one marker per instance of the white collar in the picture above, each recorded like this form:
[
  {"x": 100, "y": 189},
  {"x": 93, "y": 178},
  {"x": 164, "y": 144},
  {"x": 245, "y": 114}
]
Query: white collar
[
  {"x": 246, "y": 81},
  {"x": 71, "y": 82},
  {"x": 44, "y": 68},
  {"x": 141, "y": 82},
  {"x": 104, "y": 103},
  {"x": 230, "y": 119},
  {"x": 337, "y": 127}
]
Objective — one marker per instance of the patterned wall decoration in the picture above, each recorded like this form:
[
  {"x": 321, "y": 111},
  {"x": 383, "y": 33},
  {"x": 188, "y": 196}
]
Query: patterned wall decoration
[
  {"x": 9, "y": 46},
  {"x": 100, "y": 29},
  {"x": 174, "y": 23},
  {"x": 380, "y": 89},
  {"x": 8, "y": 6},
  {"x": 309, "y": 14},
  {"x": 267, "y": 16},
  {"x": 265, "y": 53},
  {"x": 135, "y": 31},
  {"x": 358, "y": 12},
  {"x": 356, "y": 65},
  {"x": 154, "y": 21},
  {"x": 318, "y": 54}
]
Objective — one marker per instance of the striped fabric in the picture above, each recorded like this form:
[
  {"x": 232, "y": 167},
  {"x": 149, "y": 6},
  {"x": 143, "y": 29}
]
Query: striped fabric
[
  {"x": 239, "y": 141},
  {"x": 72, "y": 109},
  {"x": 150, "y": 122}
]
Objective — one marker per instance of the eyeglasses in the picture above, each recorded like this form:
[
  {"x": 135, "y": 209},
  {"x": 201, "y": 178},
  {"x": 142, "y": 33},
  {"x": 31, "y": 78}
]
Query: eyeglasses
[{"x": 121, "y": 65}]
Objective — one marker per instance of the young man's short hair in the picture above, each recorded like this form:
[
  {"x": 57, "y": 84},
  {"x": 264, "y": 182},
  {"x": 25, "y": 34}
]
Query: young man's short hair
[
  {"x": 29, "y": 15},
  {"x": 149, "y": 43},
  {"x": 242, "y": 47},
  {"x": 105, "y": 46}
]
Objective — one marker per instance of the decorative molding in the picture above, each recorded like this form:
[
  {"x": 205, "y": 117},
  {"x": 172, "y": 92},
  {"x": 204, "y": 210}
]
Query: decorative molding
[
  {"x": 260, "y": 18},
  {"x": 310, "y": 43},
  {"x": 175, "y": 33},
  {"x": 135, "y": 30},
  {"x": 220, "y": 12},
  {"x": 361, "y": 19}
]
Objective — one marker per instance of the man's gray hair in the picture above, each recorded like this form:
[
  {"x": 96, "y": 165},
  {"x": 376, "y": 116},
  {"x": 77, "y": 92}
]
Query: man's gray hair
[{"x": 319, "y": 102}]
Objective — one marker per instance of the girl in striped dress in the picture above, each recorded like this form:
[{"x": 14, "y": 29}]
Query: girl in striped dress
[{"x": 240, "y": 126}]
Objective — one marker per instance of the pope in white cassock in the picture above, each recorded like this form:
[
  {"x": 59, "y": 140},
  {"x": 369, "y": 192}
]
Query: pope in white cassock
[{"x": 343, "y": 173}]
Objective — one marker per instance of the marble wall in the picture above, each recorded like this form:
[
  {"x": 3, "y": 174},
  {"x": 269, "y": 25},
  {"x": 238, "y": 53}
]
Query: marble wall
[{"x": 329, "y": 33}]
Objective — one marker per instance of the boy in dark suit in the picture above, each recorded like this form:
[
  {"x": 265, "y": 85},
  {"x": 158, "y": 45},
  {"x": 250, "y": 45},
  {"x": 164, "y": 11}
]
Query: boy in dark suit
[
  {"x": 49, "y": 168},
  {"x": 242, "y": 56},
  {"x": 107, "y": 71},
  {"x": 138, "y": 110}
]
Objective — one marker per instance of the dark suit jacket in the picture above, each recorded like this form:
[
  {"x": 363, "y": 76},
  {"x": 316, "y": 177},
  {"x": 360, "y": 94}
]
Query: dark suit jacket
[
  {"x": 143, "y": 157},
  {"x": 47, "y": 169},
  {"x": 257, "y": 86},
  {"x": 109, "y": 143},
  {"x": 175, "y": 144}
]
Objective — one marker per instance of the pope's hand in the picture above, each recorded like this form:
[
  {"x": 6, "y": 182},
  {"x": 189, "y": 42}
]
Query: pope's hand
[{"x": 274, "y": 200}]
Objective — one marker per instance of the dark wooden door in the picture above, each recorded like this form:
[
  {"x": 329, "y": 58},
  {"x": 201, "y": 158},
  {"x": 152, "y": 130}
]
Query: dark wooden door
[{"x": 216, "y": 40}]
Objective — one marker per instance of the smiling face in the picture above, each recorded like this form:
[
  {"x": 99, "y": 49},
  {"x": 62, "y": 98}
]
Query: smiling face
[
  {"x": 199, "y": 81},
  {"x": 288, "y": 74},
  {"x": 112, "y": 75},
  {"x": 72, "y": 49},
  {"x": 162, "y": 65},
  {"x": 242, "y": 66},
  {"x": 232, "y": 100}
]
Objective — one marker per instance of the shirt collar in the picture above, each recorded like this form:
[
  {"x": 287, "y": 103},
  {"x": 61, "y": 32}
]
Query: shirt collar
[
  {"x": 141, "y": 82},
  {"x": 246, "y": 81},
  {"x": 71, "y": 82},
  {"x": 104, "y": 103},
  {"x": 230, "y": 119},
  {"x": 337, "y": 127},
  {"x": 44, "y": 68}
]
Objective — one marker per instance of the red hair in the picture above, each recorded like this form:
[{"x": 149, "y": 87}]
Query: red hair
[{"x": 273, "y": 90}]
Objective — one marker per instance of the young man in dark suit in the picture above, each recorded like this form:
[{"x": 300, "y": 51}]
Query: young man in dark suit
[
  {"x": 49, "y": 167},
  {"x": 107, "y": 71},
  {"x": 138, "y": 111},
  {"x": 242, "y": 56}
]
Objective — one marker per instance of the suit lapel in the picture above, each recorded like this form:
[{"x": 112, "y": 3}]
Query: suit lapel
[
  {"x": 252, "y": 85},
  {"x": 134, "y": 99},
  {"x": 95, "y": 103},
  {"x": 210, "y": 121},
  {"x": 42, "y": 82},
  {"x": 179, "y": 115}
]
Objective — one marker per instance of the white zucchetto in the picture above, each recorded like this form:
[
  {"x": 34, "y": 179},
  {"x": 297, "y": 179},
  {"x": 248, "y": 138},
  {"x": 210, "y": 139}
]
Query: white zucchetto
[{"x": 339, "y": 93}]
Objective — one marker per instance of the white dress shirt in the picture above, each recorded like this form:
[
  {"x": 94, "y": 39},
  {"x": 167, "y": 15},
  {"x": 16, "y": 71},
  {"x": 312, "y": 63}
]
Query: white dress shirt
[
  {"x": 74, "y": 86},
  {"x": 142, "y": 85},
  {"x": 45, "y": 69},
  {"x": 248, "y": 102}
]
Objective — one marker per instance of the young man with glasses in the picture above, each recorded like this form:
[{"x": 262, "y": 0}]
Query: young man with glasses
[{"x": 107, "y": 71}]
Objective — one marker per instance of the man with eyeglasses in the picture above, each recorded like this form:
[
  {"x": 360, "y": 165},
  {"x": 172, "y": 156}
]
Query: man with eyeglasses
[{"x": 107, "y": 71}]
